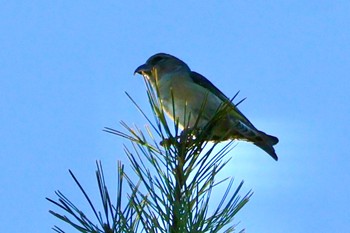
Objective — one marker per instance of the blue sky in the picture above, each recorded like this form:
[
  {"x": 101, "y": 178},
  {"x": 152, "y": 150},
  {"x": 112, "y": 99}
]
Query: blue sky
[{"x": 66, "y": 65}]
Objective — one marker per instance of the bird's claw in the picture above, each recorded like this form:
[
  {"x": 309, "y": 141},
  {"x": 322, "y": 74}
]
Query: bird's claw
[{"x": 185, "y": 138}]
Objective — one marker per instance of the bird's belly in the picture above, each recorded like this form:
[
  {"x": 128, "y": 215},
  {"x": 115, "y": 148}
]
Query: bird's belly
[
  {"x": 191, "y": 109},
  {"x": 185, "y": 114},
  {"x": 189, "y": 115}
]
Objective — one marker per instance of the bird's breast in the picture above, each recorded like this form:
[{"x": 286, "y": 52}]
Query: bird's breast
[{"x": 186, "y": 101}]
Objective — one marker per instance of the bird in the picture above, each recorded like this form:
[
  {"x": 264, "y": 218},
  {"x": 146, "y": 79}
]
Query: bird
[{"x": 193, "y": 101}]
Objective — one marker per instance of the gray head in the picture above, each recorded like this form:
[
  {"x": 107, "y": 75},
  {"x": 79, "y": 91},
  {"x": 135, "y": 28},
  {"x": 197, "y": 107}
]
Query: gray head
[{"x": 159, "y": 64}]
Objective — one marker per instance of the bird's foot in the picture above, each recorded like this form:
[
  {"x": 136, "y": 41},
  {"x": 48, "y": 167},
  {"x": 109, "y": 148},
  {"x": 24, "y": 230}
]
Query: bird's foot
[
  {"x": 167, "y": 142},
  {"x": 185, "y": 138}
]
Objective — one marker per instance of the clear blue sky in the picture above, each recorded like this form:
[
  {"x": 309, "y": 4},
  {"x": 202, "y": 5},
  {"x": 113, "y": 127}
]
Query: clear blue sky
[{"x": 65, "y": 66}]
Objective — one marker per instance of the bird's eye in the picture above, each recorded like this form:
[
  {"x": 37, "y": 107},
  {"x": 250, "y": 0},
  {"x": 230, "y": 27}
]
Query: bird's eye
[{"x": 157, "y": 59}]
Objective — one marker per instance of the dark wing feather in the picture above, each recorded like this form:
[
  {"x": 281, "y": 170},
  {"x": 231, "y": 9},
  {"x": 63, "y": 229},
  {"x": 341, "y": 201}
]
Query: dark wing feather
[{"x": 204, "y": 82}]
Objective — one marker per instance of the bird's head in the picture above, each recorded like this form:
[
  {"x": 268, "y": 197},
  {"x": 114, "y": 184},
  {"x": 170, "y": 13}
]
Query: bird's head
[{"x": 159, "y": 65}]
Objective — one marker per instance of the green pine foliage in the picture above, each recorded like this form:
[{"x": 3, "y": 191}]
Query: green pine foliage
[{"x": 177, "y": 178}]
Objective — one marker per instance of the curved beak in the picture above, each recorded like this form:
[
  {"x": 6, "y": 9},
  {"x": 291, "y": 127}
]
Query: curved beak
[{"x": 145, "y": 68}]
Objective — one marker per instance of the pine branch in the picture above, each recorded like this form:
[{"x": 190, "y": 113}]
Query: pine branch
[{"x": 177, "y": 176}]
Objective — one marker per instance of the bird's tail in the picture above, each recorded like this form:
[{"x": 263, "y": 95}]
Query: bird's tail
[{"x": 266, "y": 143}]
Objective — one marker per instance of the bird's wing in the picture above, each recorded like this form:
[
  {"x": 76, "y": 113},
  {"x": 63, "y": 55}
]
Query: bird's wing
[{"x": 205, "y": 83}]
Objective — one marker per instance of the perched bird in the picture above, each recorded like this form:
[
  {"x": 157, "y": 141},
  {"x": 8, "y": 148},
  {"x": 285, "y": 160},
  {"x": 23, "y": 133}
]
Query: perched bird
[{"x": 196, "y": 102}]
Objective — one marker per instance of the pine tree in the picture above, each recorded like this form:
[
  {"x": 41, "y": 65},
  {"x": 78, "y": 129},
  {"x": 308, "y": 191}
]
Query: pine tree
[{"x": 176, "y": 181}]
